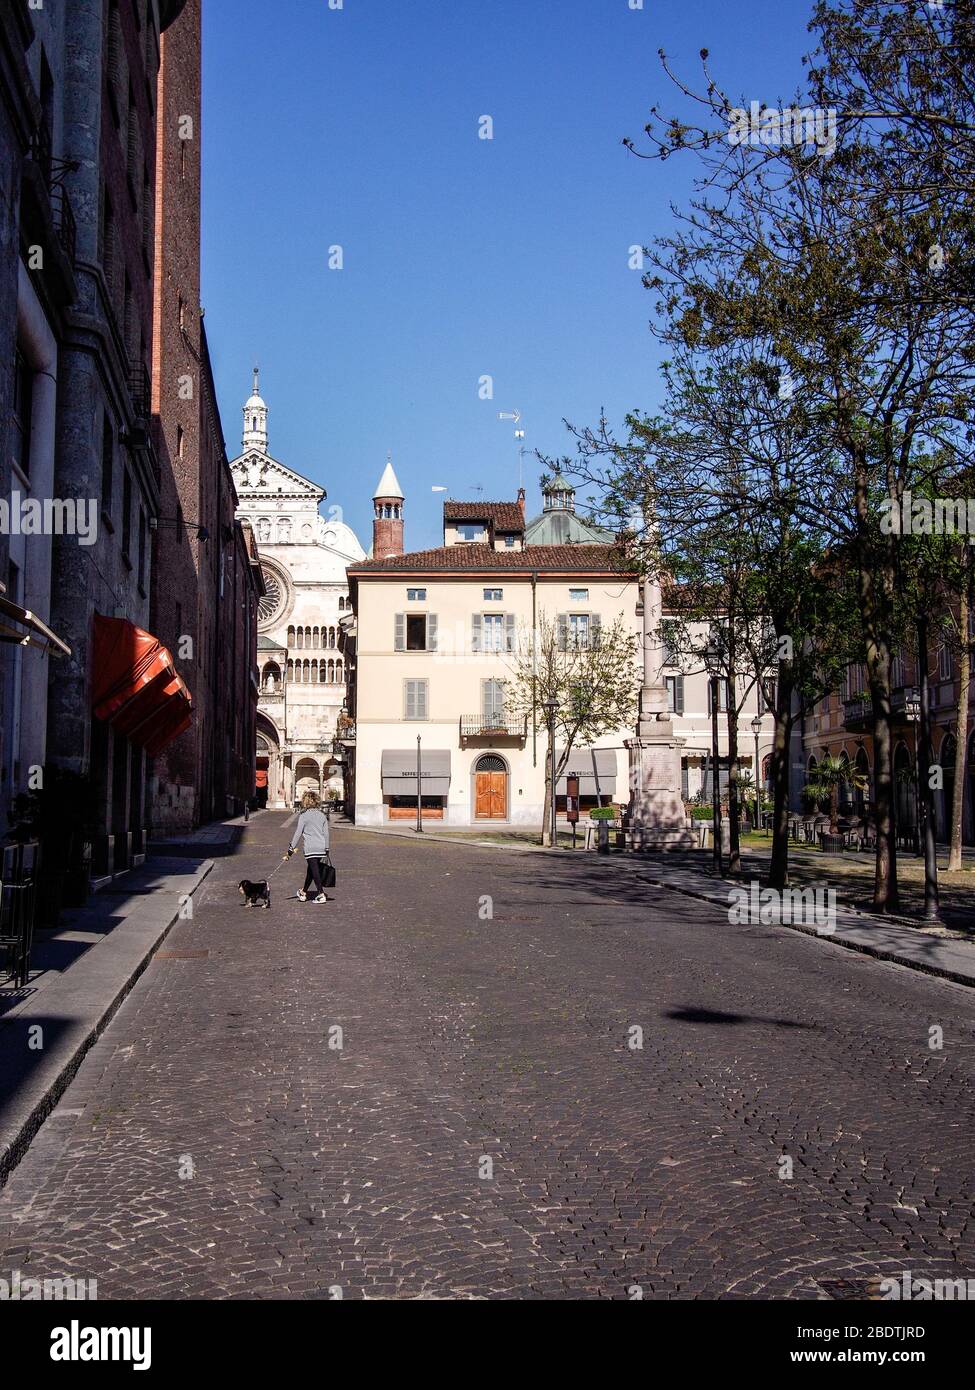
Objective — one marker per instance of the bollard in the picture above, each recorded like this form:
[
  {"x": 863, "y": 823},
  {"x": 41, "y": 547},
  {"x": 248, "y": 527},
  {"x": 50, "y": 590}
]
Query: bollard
[{"x": 603, "y": 845}]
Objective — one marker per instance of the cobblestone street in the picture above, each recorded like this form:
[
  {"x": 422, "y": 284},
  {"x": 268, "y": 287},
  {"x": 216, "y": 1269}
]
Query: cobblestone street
[{"x": 486, "y": 1129}]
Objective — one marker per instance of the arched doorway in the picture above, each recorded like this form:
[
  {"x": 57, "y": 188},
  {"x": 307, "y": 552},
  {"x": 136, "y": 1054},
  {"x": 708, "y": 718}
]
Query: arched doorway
[
  {"x": 945, "y": 799},
  {"x": 490, "y": 788},
  {"x": 904, "y": 804},
  {"x": 269, "y": 772},
  {"x": 308, "y": 777}
]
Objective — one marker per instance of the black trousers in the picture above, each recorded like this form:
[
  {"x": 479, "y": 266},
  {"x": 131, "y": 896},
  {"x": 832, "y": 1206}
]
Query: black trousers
[{"x": 313, "y": 874}]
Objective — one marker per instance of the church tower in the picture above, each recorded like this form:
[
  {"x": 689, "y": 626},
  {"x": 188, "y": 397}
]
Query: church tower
[
  {"x": 387, "y": 521},
  {"x": 255, "y": 420}
]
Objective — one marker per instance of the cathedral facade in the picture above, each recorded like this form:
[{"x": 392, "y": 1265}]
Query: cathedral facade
[{"x": 304, "y": 555}]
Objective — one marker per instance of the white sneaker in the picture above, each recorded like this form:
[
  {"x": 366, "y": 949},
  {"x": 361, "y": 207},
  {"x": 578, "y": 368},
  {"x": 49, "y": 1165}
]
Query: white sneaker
[
  {"x": 321, "y": 898},
  {"x": 302, "y": 897}
]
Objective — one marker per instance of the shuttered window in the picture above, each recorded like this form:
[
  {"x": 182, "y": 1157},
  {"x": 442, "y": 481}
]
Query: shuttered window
[
  {"x": 579, "y": 630},
  {"x": 415, "y": 699},
  {"x": 675, "y": 694},
  {"x": 492, "y": 702},
  {"x": 492, "y": 632},
  {"x": 415, "y": 632}
]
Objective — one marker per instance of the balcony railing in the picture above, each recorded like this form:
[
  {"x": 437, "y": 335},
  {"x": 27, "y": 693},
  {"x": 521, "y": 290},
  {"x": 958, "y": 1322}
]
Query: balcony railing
[
  {"x": 64, "y": 222},
  {"x": 857, "y": 712},
  {"x": 492, "y": 726},
  {"x": 140, "y": 391},
  {"x": 345, "y": 733}
]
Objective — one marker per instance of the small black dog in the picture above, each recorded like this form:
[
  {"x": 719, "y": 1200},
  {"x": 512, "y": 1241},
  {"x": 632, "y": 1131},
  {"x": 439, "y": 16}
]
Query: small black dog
[{"x": 255, "y": 893}]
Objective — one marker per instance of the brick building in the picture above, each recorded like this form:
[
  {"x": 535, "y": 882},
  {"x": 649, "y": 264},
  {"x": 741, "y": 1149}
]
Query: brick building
[{"x": 207, "y": 580}]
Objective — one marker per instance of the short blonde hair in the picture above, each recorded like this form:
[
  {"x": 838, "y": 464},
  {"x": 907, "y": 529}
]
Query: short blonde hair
[{"x": 311, "y": 801}]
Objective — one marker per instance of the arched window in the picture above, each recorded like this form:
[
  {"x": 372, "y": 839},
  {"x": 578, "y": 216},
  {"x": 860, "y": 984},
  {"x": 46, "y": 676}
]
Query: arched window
[
  {"x": 300, "y": 638},
  {"x": 314, "y": 638},
  {"x": 331, "y": 637},
  {"x": 331, "y": 672},
  {"x": 307, "y": 673},
  {"x": 291, "y": 636},
  {"x": 291, "y": 670},
  {"x": 338, "y": 672}
]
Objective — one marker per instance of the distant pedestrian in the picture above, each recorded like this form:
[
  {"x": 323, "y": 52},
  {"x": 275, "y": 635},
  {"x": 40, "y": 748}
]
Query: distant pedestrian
[
  {"x": 247, "y": 811},
  {"x": 312, "y": 828}
]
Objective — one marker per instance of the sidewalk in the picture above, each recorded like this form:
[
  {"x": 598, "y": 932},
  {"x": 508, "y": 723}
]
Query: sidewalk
[
  {"x": 899, "y": 940},
  {"x": 80, "y": 974},
  {"x": 931, "y": 951}
]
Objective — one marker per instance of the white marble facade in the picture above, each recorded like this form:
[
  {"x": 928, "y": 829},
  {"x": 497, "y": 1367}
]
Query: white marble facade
[{"x": 304, "y": 555}]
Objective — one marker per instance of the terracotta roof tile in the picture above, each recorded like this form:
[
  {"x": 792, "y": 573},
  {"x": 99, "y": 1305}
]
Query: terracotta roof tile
[
  {"x": 507, "y": 516},
  {"x": 577, "y": 559}
]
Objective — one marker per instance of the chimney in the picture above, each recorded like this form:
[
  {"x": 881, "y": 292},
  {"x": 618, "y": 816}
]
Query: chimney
[{"x": 521, "y": 500}]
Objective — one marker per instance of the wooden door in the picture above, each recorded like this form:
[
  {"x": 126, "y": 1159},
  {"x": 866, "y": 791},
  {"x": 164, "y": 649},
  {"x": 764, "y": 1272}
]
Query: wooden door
[{"x": 490, "y": 795}]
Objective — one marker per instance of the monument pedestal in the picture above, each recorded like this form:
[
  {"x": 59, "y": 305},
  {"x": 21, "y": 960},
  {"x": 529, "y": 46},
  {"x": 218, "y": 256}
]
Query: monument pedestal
[{"x": 657, "y": 817}]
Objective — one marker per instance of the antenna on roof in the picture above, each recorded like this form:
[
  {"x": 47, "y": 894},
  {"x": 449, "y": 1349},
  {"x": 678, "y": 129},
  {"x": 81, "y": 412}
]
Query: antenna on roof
[{"x": 478, "y": 489}]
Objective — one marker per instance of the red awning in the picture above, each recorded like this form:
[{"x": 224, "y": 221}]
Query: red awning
[
  {"x": 260, "y": 779},
  {"x": 137, "y": 687}
]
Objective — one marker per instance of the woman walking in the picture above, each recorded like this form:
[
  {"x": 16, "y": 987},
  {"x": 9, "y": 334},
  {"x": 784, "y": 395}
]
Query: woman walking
[{"x": 312, "y": 827}]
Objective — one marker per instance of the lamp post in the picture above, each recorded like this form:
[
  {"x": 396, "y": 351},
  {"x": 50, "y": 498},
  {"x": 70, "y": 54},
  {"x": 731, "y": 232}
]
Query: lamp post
[
  {"x": 756, "y": 730},
  {"x": 550, "y": 706},
  {"x": 912, "y": 712},
  {"x": 712, "y": 664},
  {"x": 419, "y": 791}
]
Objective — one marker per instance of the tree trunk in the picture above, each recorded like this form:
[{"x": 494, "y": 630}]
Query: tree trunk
[
  {"x": 780, "y": 772},
  {"x": 961, "y": 742},
  {"x": 547, "y": 810},
  {"x": 734, "y": 808},
  {"x": 885, "y": 897}
]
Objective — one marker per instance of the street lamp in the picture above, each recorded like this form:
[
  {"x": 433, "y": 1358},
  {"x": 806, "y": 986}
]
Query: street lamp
[
  {"x": 756, "y": 730},
  {"x": 912, "y": 712},
  {"x": 712, "y": 664},
  {"x": 550, "y": 706},
  {"x": 419, "y": 791}
]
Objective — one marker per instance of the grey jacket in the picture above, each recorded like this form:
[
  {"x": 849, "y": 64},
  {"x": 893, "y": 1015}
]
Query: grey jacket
[{"x": 313, "y": 825}]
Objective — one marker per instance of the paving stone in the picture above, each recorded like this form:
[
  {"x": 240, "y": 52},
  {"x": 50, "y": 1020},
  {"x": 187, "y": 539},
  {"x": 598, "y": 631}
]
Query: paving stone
[{"x": 213, "y": 1144}]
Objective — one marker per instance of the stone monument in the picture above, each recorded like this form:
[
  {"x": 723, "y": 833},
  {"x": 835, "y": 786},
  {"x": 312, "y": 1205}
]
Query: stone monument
[{"x": 657, "y": 817}]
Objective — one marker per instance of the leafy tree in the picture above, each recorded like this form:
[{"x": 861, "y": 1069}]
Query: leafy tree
[{"x": 594, "y": 683}]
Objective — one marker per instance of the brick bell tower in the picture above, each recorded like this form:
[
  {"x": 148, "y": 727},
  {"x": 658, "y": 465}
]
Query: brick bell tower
[{"x": 387, "y": 521}]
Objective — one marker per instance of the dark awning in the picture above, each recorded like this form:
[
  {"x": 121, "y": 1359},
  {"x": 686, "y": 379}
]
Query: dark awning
[
  {"x": 137, "y": 688},
  {"x": 580, "y": 763},
  {"x": 399, "y": 771},
  {"x": 30, "y": 631}
]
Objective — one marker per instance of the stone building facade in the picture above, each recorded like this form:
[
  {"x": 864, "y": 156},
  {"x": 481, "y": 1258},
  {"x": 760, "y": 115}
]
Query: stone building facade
[
  {"x": 37, "y": 285},
  {"x": 431, "y": 638},
  {"x": 302, "y": 675}
]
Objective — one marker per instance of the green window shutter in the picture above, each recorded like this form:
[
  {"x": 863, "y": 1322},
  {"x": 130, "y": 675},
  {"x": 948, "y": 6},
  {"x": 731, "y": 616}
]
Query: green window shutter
[
  {"x": 431, "y": 632},
  {"x": 399, "y": 633},
  {"x": 476, "y": 625},
  {"x": 563, "y": 633},
  {"x": 509, "y": 632}
]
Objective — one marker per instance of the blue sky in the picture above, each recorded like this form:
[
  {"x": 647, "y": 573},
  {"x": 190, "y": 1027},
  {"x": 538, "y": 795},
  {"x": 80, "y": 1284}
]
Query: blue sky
[{"x": 462, "y": 257}]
